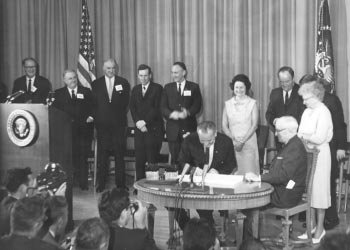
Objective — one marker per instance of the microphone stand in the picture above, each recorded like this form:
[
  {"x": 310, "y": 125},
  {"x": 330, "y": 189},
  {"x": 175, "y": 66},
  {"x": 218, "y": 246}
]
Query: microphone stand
[{"x": 11, "y": 98}]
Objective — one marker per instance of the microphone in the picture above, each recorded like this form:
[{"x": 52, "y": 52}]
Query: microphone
[
  {"x": 50, "y": 98},
  {"x": 10, "y": 98}
]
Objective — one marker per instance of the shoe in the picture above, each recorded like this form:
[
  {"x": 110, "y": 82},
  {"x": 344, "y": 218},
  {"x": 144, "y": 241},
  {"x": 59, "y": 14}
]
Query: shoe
[
  {"x": 317, "y": 241},
  {"x": 304, "y": 235},
  {"x": 328, "y": 225}
]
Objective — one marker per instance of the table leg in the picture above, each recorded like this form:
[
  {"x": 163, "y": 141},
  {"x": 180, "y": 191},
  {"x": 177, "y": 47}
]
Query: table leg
[
  {"x": 255, "y": 222},
  {"x": 171, "y": 213},
  {"x": 150, "y": 217},
  {"x": 340, "y": 184}
]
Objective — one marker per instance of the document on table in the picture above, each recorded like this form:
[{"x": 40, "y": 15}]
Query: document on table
[{"x": 217, "y": 180}]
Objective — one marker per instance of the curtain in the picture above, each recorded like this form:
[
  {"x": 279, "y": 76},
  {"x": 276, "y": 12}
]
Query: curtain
[{"x": 215, "y": 39}]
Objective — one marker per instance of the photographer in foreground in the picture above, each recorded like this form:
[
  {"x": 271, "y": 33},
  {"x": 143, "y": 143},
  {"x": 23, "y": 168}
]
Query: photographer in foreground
[{"x": 127, "y": 221}]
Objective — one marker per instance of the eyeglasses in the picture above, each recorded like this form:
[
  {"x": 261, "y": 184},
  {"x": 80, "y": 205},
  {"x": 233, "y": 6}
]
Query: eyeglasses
[
  {"x": 29, "y": 67},
  {"x": 279, "y": 130}
]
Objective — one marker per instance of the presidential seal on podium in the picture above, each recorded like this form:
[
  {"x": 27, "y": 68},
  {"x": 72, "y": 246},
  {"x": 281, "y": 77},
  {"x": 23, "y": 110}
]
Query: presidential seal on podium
[{"x": 21, "y": 127}]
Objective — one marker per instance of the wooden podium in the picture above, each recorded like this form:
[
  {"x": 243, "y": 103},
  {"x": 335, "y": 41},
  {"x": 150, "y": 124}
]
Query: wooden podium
[{"x": 42, "y": 133}]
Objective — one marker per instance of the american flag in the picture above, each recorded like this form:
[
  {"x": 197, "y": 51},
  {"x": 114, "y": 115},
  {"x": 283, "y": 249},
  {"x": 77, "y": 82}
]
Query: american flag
[
  {"x": 86, "y": 60},
  {"x": 324, "y": 60}
]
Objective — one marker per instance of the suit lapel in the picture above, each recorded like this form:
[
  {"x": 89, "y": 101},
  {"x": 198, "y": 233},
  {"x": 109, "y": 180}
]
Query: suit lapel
[
  {"x": 215, "y": 153},
  {"x": 104, "y": 89},
  {"x": 148, "y": 91}
]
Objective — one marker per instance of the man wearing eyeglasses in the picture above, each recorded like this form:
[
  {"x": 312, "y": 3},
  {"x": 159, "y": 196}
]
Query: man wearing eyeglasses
[
  {"x": 35, "y": 87},
  {"x": 284, "y": 100},
  {"x": 288, "y": 169}
]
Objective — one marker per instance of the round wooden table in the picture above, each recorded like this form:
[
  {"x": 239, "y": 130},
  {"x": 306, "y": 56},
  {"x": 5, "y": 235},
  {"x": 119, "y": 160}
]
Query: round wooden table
[{"x": 244, "y": 196}]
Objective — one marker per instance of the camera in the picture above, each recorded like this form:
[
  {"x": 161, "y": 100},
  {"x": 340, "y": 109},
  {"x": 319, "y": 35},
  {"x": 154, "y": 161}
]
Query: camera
[{"x": 52, "y": 178}]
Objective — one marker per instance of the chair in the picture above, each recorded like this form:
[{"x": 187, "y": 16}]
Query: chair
[
  {"x": 262, "y": 133},
  {"x": 304, "y": 204},
  {"x": 344, "y": 178}
]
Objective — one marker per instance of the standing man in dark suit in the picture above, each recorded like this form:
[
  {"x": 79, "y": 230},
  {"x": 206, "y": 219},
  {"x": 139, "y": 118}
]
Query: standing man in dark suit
[
  {"x": 288, "y": 169},
  {"x": 284, "y": 100},
  {"x": 181, "y": 102},
  {"x": 338, "y": 145},
  {"x": 145, "y": 111},
  {"x": 3, "y": 92},
  {"x": 76, "y": 101},
  {"x": 210, "y": 152},
  {"x": 35, "y": 87},
  {"x": 111, "y": 98}
]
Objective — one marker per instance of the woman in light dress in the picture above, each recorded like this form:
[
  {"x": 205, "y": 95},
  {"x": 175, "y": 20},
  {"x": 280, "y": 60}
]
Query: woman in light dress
[
  {"x": 239, "y": 122},
  {"x": 316, "y": 129}
]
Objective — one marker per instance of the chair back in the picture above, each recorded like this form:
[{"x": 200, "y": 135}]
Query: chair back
[{"x": 312, "y": 155}]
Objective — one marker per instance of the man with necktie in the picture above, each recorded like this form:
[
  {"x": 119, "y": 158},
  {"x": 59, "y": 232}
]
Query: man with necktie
[
  {"x": 35, "y": 87},
  {"x": 208, "y": 152},
  {"x": 76, "y": 101},
  {"x": 145, "y": 111},
  {"x": 180, "y": 103},
  {"x": 284, "y": 100},
  {"x": 111, "y": 98}
]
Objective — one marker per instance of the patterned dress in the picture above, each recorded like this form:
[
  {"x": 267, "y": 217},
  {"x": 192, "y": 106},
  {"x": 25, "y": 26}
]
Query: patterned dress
[{"x": 239, "y": 115}]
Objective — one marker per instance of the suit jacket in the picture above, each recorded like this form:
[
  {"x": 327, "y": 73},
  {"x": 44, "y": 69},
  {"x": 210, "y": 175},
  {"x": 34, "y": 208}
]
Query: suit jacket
[
  {"x": 6, "y": 206},
  {"x": 3, "y": 92},
  {"x": 147, "y": 107},
  {"x": 131, "y": 239},
  {"x": 17, "y": 242},
  {"x": 192, "y": 152},
  {"x": 290, "y": 164},
  {"x": 276, "y": 107},
  {"x": 109, "y": 115},
  {"x": 80, "y": 109},
  {"x": 191, "y": 100},
  {"x": 42, "y": 85},
  {"x": 339, "y": 140}
]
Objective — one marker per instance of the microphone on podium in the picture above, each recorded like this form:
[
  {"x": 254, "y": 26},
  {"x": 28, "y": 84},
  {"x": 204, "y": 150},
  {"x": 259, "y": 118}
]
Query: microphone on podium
[
  {"x": 10, "y": 98},
  {"x": 50, "y": 98}
]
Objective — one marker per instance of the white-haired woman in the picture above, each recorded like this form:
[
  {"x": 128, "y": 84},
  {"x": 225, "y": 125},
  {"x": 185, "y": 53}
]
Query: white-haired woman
[{"x": 316, "y": 129}]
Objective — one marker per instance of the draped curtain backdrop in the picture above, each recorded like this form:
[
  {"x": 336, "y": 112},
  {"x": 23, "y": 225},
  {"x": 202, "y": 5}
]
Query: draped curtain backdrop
[{"x": 216, "y": 40}]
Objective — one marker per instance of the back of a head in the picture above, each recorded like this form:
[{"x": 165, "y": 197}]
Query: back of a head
[
  {"x": 112, "y": 203},
  {"x": 28, "y": 214},
  {"x": 92, "y": 234},
  {"x": 16, "y": 177},
  {"x": 335, "y": 241},
  {"x": 252, "y": 244},
  {"x": 198, "y": 235}
]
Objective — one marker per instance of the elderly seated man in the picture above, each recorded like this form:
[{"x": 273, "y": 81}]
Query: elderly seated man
[
  {"x": 289, "y": 168},
  {"x": 209, "y": 151}
]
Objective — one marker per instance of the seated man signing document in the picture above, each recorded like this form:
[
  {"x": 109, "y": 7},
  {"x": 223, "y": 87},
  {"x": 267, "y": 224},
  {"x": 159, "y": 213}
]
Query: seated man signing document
[
  {"x": 288, "y": 169},
  {"x": 210, "y": 152}
]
